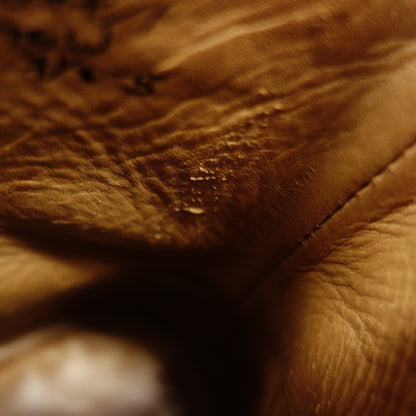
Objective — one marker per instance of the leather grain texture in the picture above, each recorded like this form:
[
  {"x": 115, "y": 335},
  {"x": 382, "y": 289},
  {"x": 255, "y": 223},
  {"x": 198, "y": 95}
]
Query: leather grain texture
[{"x": 264, "y": 149}]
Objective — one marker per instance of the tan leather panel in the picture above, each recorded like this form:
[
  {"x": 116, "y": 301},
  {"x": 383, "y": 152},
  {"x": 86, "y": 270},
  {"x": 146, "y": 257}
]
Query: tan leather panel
[
  {"x": 337, "y": 316},
  {"x": 266, "y": 149}
]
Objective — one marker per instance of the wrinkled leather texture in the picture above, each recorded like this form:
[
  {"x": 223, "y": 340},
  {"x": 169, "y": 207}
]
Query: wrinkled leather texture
[{"x": 265, "y": 147}]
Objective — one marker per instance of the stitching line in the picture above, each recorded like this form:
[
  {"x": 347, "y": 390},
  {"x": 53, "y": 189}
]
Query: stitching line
[{"x": 246, "y": 296}]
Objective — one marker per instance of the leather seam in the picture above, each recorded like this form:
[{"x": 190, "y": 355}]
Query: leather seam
[
  {"x": 340, "y": 207},
  {"x": 246, "y": 296}
]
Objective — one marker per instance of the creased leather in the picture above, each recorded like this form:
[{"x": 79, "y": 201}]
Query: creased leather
[{"x": 267, "y": 147}]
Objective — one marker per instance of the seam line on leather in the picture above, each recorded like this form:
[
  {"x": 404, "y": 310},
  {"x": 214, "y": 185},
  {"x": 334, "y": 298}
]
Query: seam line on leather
[{"x": 245, "y": 297}]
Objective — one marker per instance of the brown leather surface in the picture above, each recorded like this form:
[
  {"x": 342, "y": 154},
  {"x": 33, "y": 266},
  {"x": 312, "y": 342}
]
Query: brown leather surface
[{"x": 265, "y": 149}]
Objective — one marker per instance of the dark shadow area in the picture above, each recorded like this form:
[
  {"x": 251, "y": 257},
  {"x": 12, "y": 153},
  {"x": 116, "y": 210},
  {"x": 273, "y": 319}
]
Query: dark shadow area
[
  {"x": 67, "y": 241},
  {"x": 211, "y": 361}
]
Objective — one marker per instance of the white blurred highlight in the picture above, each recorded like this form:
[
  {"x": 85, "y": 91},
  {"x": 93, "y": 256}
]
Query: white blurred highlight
[{"x": 68, "y": 372}]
